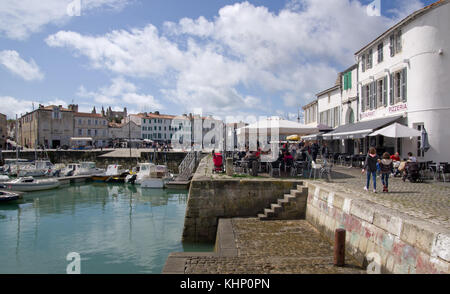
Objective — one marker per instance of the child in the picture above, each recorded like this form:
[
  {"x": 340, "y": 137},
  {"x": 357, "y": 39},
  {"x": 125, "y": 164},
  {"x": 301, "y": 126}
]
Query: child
[
  {"x": 386, "y": 165},
  {"x": 371, "y": 166}
]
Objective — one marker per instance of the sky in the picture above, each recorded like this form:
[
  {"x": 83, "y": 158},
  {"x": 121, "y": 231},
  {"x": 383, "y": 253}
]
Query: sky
[{"x": 231, "y": 59}]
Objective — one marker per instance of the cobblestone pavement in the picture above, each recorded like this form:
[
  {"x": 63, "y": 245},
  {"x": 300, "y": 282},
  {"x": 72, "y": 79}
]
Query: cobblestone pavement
[
  {"x": 428, "y": 201},
  {"x": 274, "y": 247}
]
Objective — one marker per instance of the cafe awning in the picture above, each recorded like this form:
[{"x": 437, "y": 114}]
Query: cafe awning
[
  {"x": 360, "y": 129},
  {"x": 397, "y": 130},
  {"x": 313, "y": 137}
]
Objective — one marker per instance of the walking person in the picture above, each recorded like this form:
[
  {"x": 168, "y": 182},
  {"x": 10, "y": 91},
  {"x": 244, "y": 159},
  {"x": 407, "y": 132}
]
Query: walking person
[
  {"x": 370, "y": 166},
  {"x": 386, "y": 166},
  {"x": 315, "y": 151}
]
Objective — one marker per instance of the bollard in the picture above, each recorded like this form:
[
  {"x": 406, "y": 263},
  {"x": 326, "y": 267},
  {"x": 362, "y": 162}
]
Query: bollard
[
  {"x": 339, "y": 247},
  {"x": 229, "y": 167}
]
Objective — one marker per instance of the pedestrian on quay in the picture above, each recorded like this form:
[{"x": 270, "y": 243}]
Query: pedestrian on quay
[
  {"x": 386, "y": 166},
  {"x": 315, "y": 151},
  {"x": 370, "y": 166}
]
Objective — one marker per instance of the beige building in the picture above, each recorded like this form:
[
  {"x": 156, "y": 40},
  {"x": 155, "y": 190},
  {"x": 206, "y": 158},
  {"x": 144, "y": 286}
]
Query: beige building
[
  {"x": 91, "y": 125},
  {"x": 50, "y": 126},
  {"x": 3, "y": 131}
]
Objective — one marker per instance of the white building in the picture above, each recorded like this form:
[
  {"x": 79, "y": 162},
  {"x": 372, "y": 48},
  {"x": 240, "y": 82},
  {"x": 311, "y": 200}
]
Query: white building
[
  {"x": 311, "y": 112},
  {"x": 158, "y": 127},
  {"x": 404, "y": 76}
]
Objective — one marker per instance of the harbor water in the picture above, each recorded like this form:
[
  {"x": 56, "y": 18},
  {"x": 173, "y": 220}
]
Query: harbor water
[{"x": 115, "y": 229}]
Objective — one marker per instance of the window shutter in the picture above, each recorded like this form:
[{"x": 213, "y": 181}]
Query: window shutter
[
  {"x": 391, "y": 89},
  {"x": 375, "y": 95},
  {"x": 385, "y": 91},
  {"x": 404, "y": 85},
  {"x": 370, "y": 96},
  {"x": 363, "y": 100},
  {"x": 350, "y": 80}
]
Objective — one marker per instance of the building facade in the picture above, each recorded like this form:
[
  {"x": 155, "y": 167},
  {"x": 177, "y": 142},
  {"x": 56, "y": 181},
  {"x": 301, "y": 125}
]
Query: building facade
[
  {"x": 91, "y": 125},
  {"x": 405, "y": 73},
  {"x": 49, "y": 126},
  {"x": 157, "y": 127},
  {"x": 402, "y": 76},
  {"x": 311, "y": 112},
  {"x": 124, "y": 131}
]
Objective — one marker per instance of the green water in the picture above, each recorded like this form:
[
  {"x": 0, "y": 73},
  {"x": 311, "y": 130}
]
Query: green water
[{"x": 119, "y": 229}]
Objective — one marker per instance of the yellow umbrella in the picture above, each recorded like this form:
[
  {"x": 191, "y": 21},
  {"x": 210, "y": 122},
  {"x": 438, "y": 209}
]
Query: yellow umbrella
[{"x": 293, "y": 138}]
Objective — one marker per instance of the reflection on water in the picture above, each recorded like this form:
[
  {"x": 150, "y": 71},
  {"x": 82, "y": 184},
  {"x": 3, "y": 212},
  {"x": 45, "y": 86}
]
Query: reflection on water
[{"x": 115, "y": 229}]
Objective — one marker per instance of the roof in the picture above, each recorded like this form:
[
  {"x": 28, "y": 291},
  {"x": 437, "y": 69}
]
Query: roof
[
  {"x": 354, "y": 66},
  {"x": 407, "y": 19},
  {"x": 51, "y": 107},
  {"x": 153, "y": 115},
  {"x": 361, "y": 129},
  {"x": 310, "y": 104},
  {"x": 85, "y": 114},
  {"x": 329, "y": 90}
]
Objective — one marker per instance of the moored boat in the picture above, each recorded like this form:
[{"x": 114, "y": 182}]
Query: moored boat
[
  {"x": 30, "y": 184},
  {"x": 114, "y": 174},
  {"x": 153, "y": 176},
  {"x": 9, "y": 196}
]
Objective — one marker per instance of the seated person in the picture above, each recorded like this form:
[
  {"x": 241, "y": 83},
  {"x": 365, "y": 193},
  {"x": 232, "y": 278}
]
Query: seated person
[
  {"x": 395, "y": 157},
  {"x": 411, "y": 158}
]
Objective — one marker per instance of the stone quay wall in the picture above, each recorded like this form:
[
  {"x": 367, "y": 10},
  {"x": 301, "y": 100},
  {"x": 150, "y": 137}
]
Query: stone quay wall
[
  {"x": 212, "y": 197},
  {"x": 377, "y": 235},
  {"x": 72, "y": 156}
]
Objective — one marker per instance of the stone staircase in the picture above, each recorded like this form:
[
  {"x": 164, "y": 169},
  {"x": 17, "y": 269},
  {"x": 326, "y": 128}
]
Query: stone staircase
[{"x": 291, "y": 207}]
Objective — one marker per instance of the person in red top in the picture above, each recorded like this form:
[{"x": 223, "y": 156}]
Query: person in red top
[{"x": 396, "y": 157}]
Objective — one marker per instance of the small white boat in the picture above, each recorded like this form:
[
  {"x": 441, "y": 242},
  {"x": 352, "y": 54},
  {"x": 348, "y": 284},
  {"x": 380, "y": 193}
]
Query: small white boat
[
  {"x": 9, "y": 196},
  {"x": 88, "y": 169},
  {"x": 70, "y": 170},
  {"x": 30, "y": 184},
  {"x": 153, "y": 176},
  {"x": 39, "y": 169},
  {"x": 114, "y": 174}
]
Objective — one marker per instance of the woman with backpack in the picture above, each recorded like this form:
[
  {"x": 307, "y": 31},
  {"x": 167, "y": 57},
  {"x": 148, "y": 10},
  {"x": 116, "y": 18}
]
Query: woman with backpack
[
  {"x": 370, "y": 166},
  {"x": 386, "y": 166}
]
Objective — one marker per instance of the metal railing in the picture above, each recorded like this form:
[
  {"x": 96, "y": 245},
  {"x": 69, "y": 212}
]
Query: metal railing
[{"x": 187, "y": 167}]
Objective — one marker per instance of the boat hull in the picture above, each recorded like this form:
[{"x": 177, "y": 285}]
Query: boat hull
[
  {"x": 8, "y": 197},
  {"x": 25, "y": 187}
]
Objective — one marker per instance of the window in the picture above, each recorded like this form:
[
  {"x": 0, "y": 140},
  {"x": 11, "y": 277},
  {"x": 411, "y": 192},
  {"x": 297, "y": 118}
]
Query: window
[
  {"x": 398, "y": 89},
  {"x": 80, "y": 132},
  {"x": 369, "y": 59},
  {"x": 95, "y": 132},
  {"x": 380, "y": 53},
  {"x": 380, "y": 92},
  {"x": 96, "y": 122},
  {"x": 329, "y": 97},
  {"x": 392, "y": 45},
  {"x": 79, "y": 121},
  {"x": 89, "y": 122},
  {"x": 89, "y": 132},
  {"x": 395, "y": 43}
]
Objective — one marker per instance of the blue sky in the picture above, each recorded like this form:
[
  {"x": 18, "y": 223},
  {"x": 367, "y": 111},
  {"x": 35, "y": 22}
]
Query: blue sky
[{"x": 226, "y": 58}]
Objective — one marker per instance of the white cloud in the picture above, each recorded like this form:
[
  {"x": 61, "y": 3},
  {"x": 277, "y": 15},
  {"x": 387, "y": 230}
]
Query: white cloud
[
  {"x": 12, "y": 61},
  {"x": 20, "y": 19},
  {"x": 12, "y": 106},
  {"x": 121, "y": 92},
  {"x": 218, "y": 64}
]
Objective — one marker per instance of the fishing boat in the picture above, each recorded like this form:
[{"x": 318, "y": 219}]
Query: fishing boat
[
  {"x": 6, "y": 196},
  {"x": 114, "y": 174},
  {"x": 70, "y": 169},
  {"x": 152, "y": 176},
  {"x": 30, "y": 184},
  {"x": 12, "y": 166}
]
